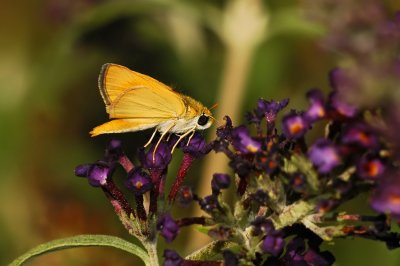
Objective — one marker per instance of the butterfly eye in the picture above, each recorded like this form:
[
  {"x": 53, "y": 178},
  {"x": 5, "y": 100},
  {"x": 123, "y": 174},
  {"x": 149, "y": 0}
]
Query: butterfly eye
[{"x": 203, "y": 119}]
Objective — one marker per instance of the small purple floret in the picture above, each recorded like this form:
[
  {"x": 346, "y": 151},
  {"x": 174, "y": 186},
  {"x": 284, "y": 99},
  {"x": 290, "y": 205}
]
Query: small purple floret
[
  {"x": 114, "y": 150},
  {"x": 196, "y": 147},
  {"x": 324, "y": 155},
  {"x": 185, "y": 196},
  {"x": 162, "y": 157},
  {"x": 294, "y": 125},
  {"x": 209, "y": 203},
  {"x": 220, "y": 181},
  {"x": 172, "y": 258},
  {"x": 261, "y": 225},
  {"x": 341, "y": 106},
  {"x": 168, "y": 228},
  {"x": 82, "y": 170},
  {"x": 243, "y": 142},
  {"x": 273, "y": 243},
  {"x": 361, "y": 135},
  {"x": 316, "y": 110},
  {"x": 139, "y": 182},
  {"x": 370, "y": 168},
  {"x": 387, "y": 196},
  {"x": 98, "y": 175}
]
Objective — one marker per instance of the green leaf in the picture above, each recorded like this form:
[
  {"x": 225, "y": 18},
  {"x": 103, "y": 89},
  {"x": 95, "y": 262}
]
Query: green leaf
[
  {"x": 211, "y": 251},
  {"x": 292, "y": 214},
  {"x": 302, "y": 164},
  {"x": 83, "y": 241},
  {"x": 327, "y": 233}
]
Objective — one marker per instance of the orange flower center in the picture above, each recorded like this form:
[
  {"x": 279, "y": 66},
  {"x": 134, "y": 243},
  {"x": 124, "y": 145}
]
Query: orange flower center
[{"x": 296, "y": 128}]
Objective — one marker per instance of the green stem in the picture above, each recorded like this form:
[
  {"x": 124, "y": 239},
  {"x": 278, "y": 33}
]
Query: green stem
[
  {"x": 245, "y": 238},
  {"x": 151, "y": 247}
]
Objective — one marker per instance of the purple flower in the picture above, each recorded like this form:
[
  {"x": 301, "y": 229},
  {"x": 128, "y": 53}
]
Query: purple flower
[
  {"x": 220, "y": 233},
  {"x": 341, "y": 107},
  {"x": 370, "y": 168},
  {"x": 324, "y": 155},
  {"x": 273, "y": 243},
  {"x": 241, "y": 167},
  {"x": 339, "y": 80},
  {"x": 298, "y": 181},
  {"x": 261, "y": 225},
  {"x": 343, "y": 84},
  {"x": 296, "y": 254},
  {"x": 185, "y": 196},
  {"x": 243, "y": 142},
  {"x": 312, "y": 257},
  {"x": 196, "y": 147},
  {"x": 114, "y": 150},
  {"x": 268, "y": 110},
  {"x": 294, "y": 125},
  {"x": 225, "y": 131},
  {"x": 220, "y": 181},
  {"x": 230, "y": 258},
  {"x": 260, "y": 196},
  {"x": 139, "y": 182},
  {"x": 269, "y": 162},
  {"x": 326, "y": 205},
  {"x": 162, "y": 157},
  {"x": 172, "y": 258},
  {"x": 294, "y": 251},
  {"x": 209, "y": 203},
  {"x": 97, "y": 173},
  {"x": 361, "y": 135},
  {"x": 82, "y": 170},
  {"x": 386, "y": 197},
  {"x": 168, "y": 227},
  {"x": 316, "y": 110}
]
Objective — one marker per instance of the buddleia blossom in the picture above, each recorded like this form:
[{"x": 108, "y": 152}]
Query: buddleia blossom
[
  {"x": 324, "y": 155},
  {"x": 286, "y": 186}
]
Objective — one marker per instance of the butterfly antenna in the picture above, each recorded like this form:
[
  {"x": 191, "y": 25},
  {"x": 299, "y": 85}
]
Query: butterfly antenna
[{"x": 213, "y": 106}]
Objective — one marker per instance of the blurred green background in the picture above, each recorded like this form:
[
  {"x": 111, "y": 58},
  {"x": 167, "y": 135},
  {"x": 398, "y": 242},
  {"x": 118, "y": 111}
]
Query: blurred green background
[{"x": 230, "y": 52}]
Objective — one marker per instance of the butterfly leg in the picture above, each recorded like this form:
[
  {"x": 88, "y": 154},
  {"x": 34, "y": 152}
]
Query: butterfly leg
[
  {"x": 159, "y": 141},
  {"x": 151, "y": 138},
  {"x": 181, "y": 137},
  {"x": 169, "y": 136},
  {"x": 190, "y": 137}
]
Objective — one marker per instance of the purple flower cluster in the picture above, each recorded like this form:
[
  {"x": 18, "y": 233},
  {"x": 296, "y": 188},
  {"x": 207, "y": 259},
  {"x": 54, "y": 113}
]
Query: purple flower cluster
[
  {"x": 146, "y": 181},
  {"x": 276, "y": 172},
  {"x": 288, "y": 187}
]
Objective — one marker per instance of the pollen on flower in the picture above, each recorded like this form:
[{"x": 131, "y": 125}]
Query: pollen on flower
[
  {"x": 138, "y": 185},
  {"x": 370, "y": 168},
  {"x": 296, "y": 126},
  {"x": 252, "y": 148},
  {"x": 394, "y": 199}
]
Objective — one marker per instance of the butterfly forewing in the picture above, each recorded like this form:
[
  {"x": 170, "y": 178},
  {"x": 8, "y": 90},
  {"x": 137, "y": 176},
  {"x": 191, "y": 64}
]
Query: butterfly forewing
[
  {"x": 144, "y": 102},
  {"x": 129, "y": 94}
]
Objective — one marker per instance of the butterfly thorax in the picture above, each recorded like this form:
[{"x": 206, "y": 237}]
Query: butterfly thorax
[{"x": 189, "y": 120}]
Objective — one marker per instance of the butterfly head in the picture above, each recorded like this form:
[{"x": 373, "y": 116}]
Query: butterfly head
[{"x": 205, "y": 119}]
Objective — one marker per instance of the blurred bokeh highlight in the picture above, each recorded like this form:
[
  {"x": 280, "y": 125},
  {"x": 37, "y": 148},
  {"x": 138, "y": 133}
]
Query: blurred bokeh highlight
[{"x": 229, "y": 52}]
